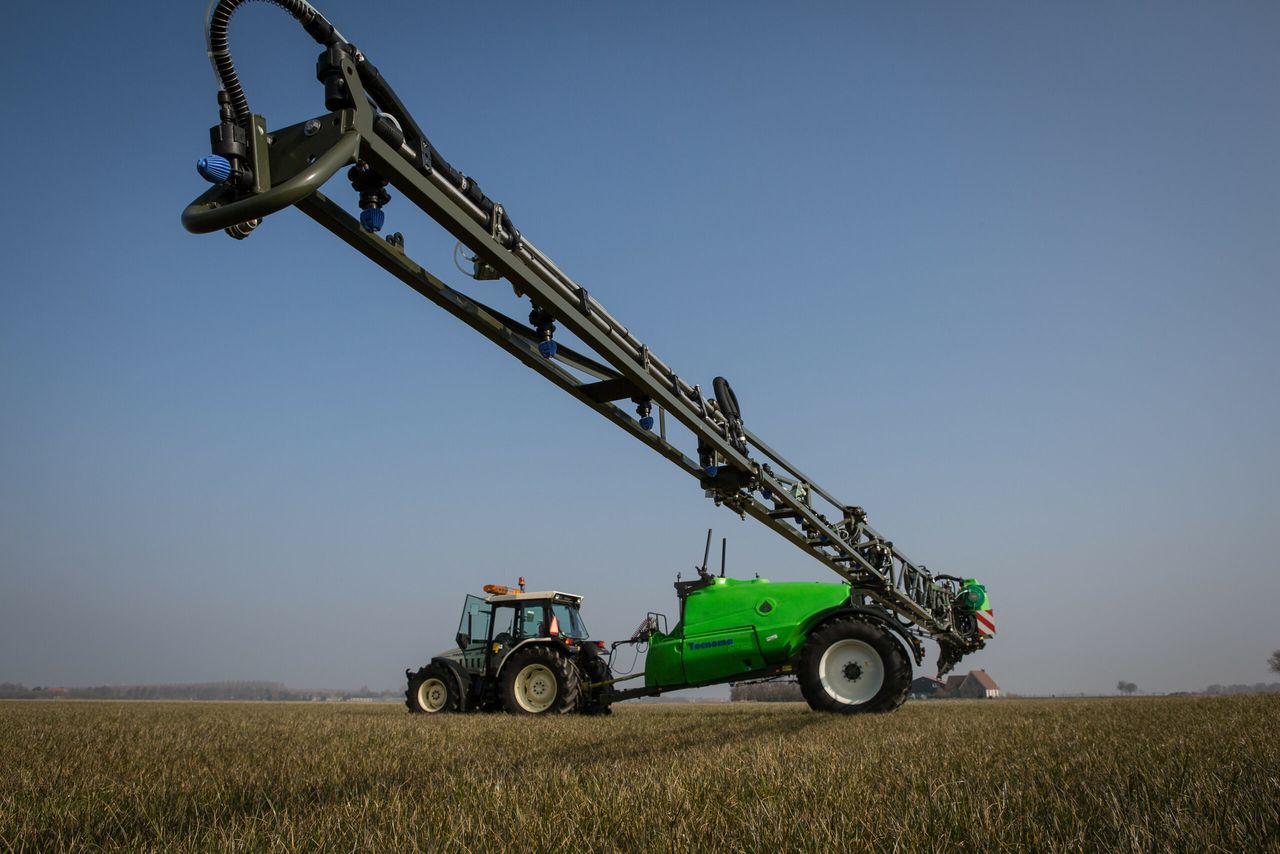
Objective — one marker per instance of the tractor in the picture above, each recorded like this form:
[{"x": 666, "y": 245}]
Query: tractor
[{"x": 522, "y": 652}]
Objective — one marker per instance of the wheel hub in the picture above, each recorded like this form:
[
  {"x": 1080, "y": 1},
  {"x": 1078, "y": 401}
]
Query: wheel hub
[
  {"x": 432, "y": 695},
  {"x": 851, "y": 671},
  {"x": 535, "y": 688}
]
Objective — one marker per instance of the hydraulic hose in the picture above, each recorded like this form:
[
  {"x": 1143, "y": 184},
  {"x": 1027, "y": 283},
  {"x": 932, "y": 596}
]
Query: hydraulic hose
[{"x": 220, "y": 53}]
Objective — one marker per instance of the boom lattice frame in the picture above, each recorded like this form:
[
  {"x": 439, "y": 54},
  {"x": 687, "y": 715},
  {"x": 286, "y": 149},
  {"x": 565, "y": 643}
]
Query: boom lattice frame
[{"x": 735, "y": 467}]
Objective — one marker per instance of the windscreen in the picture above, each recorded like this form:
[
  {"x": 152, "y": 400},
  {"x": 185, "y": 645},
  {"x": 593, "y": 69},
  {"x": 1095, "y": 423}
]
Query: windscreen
[{"x": 570, "y": 621}]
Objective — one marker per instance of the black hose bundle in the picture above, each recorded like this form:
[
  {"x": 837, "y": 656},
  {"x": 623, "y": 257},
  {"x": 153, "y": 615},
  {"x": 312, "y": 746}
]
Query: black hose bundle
[{"x": 220, "y": 53}]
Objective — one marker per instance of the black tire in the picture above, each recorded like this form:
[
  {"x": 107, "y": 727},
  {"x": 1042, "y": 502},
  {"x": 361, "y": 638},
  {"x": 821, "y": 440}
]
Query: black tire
[
  {"x": 841, "y": 662},
  {"x": 593, "y": 669},
  {"x": 432, "y": 690},
  {"x": 538, "y": 680}
]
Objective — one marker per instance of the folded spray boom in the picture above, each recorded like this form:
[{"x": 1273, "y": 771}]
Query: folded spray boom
[{"x": 368, "y": 131}]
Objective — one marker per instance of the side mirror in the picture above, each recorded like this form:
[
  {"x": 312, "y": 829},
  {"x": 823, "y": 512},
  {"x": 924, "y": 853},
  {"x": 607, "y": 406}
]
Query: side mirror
[{"x": 463, "y": 639}]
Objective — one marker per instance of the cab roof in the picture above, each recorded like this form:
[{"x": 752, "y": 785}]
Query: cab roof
[{"x": 518, "y": 596}]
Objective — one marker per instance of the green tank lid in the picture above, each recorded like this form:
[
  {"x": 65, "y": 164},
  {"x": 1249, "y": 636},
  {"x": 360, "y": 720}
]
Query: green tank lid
[{"x": 975, "y": 595}]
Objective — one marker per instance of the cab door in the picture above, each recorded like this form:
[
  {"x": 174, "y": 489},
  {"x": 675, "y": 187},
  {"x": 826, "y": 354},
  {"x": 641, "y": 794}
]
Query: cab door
[
  {"x": 473, "y": 633},
  {"x": 513, "y": 623}
]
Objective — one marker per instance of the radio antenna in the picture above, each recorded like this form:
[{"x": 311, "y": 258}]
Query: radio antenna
[{"x": 706, "y": 553}]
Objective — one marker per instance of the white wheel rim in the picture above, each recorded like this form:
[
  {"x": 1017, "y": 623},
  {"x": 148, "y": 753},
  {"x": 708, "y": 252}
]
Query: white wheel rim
[
  {"x": 432, "y": 695},
  {"x": 851, "y": 671},
  {"x": 536, "y": 688}
]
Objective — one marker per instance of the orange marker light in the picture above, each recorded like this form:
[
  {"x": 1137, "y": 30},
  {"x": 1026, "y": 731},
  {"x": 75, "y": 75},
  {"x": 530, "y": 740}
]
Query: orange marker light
[{"x": 496, "y": 588}]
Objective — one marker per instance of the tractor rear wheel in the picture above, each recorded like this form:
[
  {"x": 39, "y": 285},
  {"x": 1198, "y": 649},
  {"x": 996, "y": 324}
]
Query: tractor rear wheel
[
  {"x": 538, "y": 680},
  {"x": 850, "y": 666},
  {"x": 595, "y": 670},
  {"x": 432, "y": 690}
]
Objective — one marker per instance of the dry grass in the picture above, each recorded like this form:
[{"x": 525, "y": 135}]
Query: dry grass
[{"x": 1198, "y": 774}]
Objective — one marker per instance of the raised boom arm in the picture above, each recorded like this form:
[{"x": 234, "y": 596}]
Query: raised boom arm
[{"x": 257, "y": 172}]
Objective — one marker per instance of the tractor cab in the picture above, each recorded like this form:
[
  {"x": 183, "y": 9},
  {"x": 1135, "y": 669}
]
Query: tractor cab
[{"x": 494, "y": 625}]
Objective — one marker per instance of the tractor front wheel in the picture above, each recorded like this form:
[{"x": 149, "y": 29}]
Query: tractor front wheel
[
  {"x": 850, "y": 666},
  {"x": 538, "y": 680},
  {"x": 432, "y": 690}
]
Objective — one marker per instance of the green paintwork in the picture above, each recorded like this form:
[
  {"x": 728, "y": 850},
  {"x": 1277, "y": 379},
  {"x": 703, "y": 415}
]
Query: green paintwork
[
  {"x": 739, "y": 626},
  {"x": 975, "y": 595}
]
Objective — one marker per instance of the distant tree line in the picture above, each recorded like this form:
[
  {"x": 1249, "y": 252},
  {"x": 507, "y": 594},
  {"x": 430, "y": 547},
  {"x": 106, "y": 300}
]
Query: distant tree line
[
  {"x": 192, "y": 691},
  {"x": 1256, "y": 688}
]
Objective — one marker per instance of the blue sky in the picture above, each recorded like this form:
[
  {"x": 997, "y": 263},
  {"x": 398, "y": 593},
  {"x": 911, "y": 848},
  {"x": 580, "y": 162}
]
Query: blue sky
[{"x": 1003, "y": 274}]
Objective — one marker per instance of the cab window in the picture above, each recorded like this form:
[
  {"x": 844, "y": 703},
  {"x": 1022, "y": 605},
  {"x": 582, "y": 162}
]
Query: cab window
[
  {"x": 532, "y": 621},
  {"x": 515, "y": 621}
]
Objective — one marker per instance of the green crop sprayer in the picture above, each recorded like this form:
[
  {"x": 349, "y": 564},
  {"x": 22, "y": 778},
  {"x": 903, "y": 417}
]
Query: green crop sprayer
[{"x": 849, "y": 643}]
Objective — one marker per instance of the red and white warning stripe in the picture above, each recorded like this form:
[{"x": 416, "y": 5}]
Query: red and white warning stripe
[{"x": 986, "y": 622}]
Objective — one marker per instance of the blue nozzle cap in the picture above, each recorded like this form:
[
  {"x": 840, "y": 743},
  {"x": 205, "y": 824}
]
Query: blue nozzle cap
[
  {"x": 766, "y": 494},
  {"x": 547, "y": 349},
  {"x": 372, "y": 219},
  {"x": 711, "y": 471},
  {"x": 215, "y": 168},
  {"x": 646, "y": 422}
]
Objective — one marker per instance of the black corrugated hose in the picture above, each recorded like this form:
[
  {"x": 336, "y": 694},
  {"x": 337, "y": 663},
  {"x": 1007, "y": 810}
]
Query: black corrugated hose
[{"x": 220, "y": 53}]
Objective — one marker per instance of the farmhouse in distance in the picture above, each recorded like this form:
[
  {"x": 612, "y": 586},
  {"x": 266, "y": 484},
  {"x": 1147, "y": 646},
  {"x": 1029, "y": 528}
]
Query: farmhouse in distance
[{"x": 974, "y": 685}]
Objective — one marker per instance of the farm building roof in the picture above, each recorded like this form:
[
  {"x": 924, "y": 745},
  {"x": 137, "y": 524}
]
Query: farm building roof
[{"x": 984, "y": 680}]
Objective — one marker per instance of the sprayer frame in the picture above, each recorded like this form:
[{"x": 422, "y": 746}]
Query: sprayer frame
[{"x": 291, "y": 164}]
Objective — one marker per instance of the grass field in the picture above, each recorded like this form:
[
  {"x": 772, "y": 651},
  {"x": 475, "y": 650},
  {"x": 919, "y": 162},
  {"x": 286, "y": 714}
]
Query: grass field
[{"x": 1196, "y": 774}]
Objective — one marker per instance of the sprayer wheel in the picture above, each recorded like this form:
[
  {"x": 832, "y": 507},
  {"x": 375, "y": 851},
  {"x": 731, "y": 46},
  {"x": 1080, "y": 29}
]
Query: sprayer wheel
[{"x": 852, "y": 666}]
